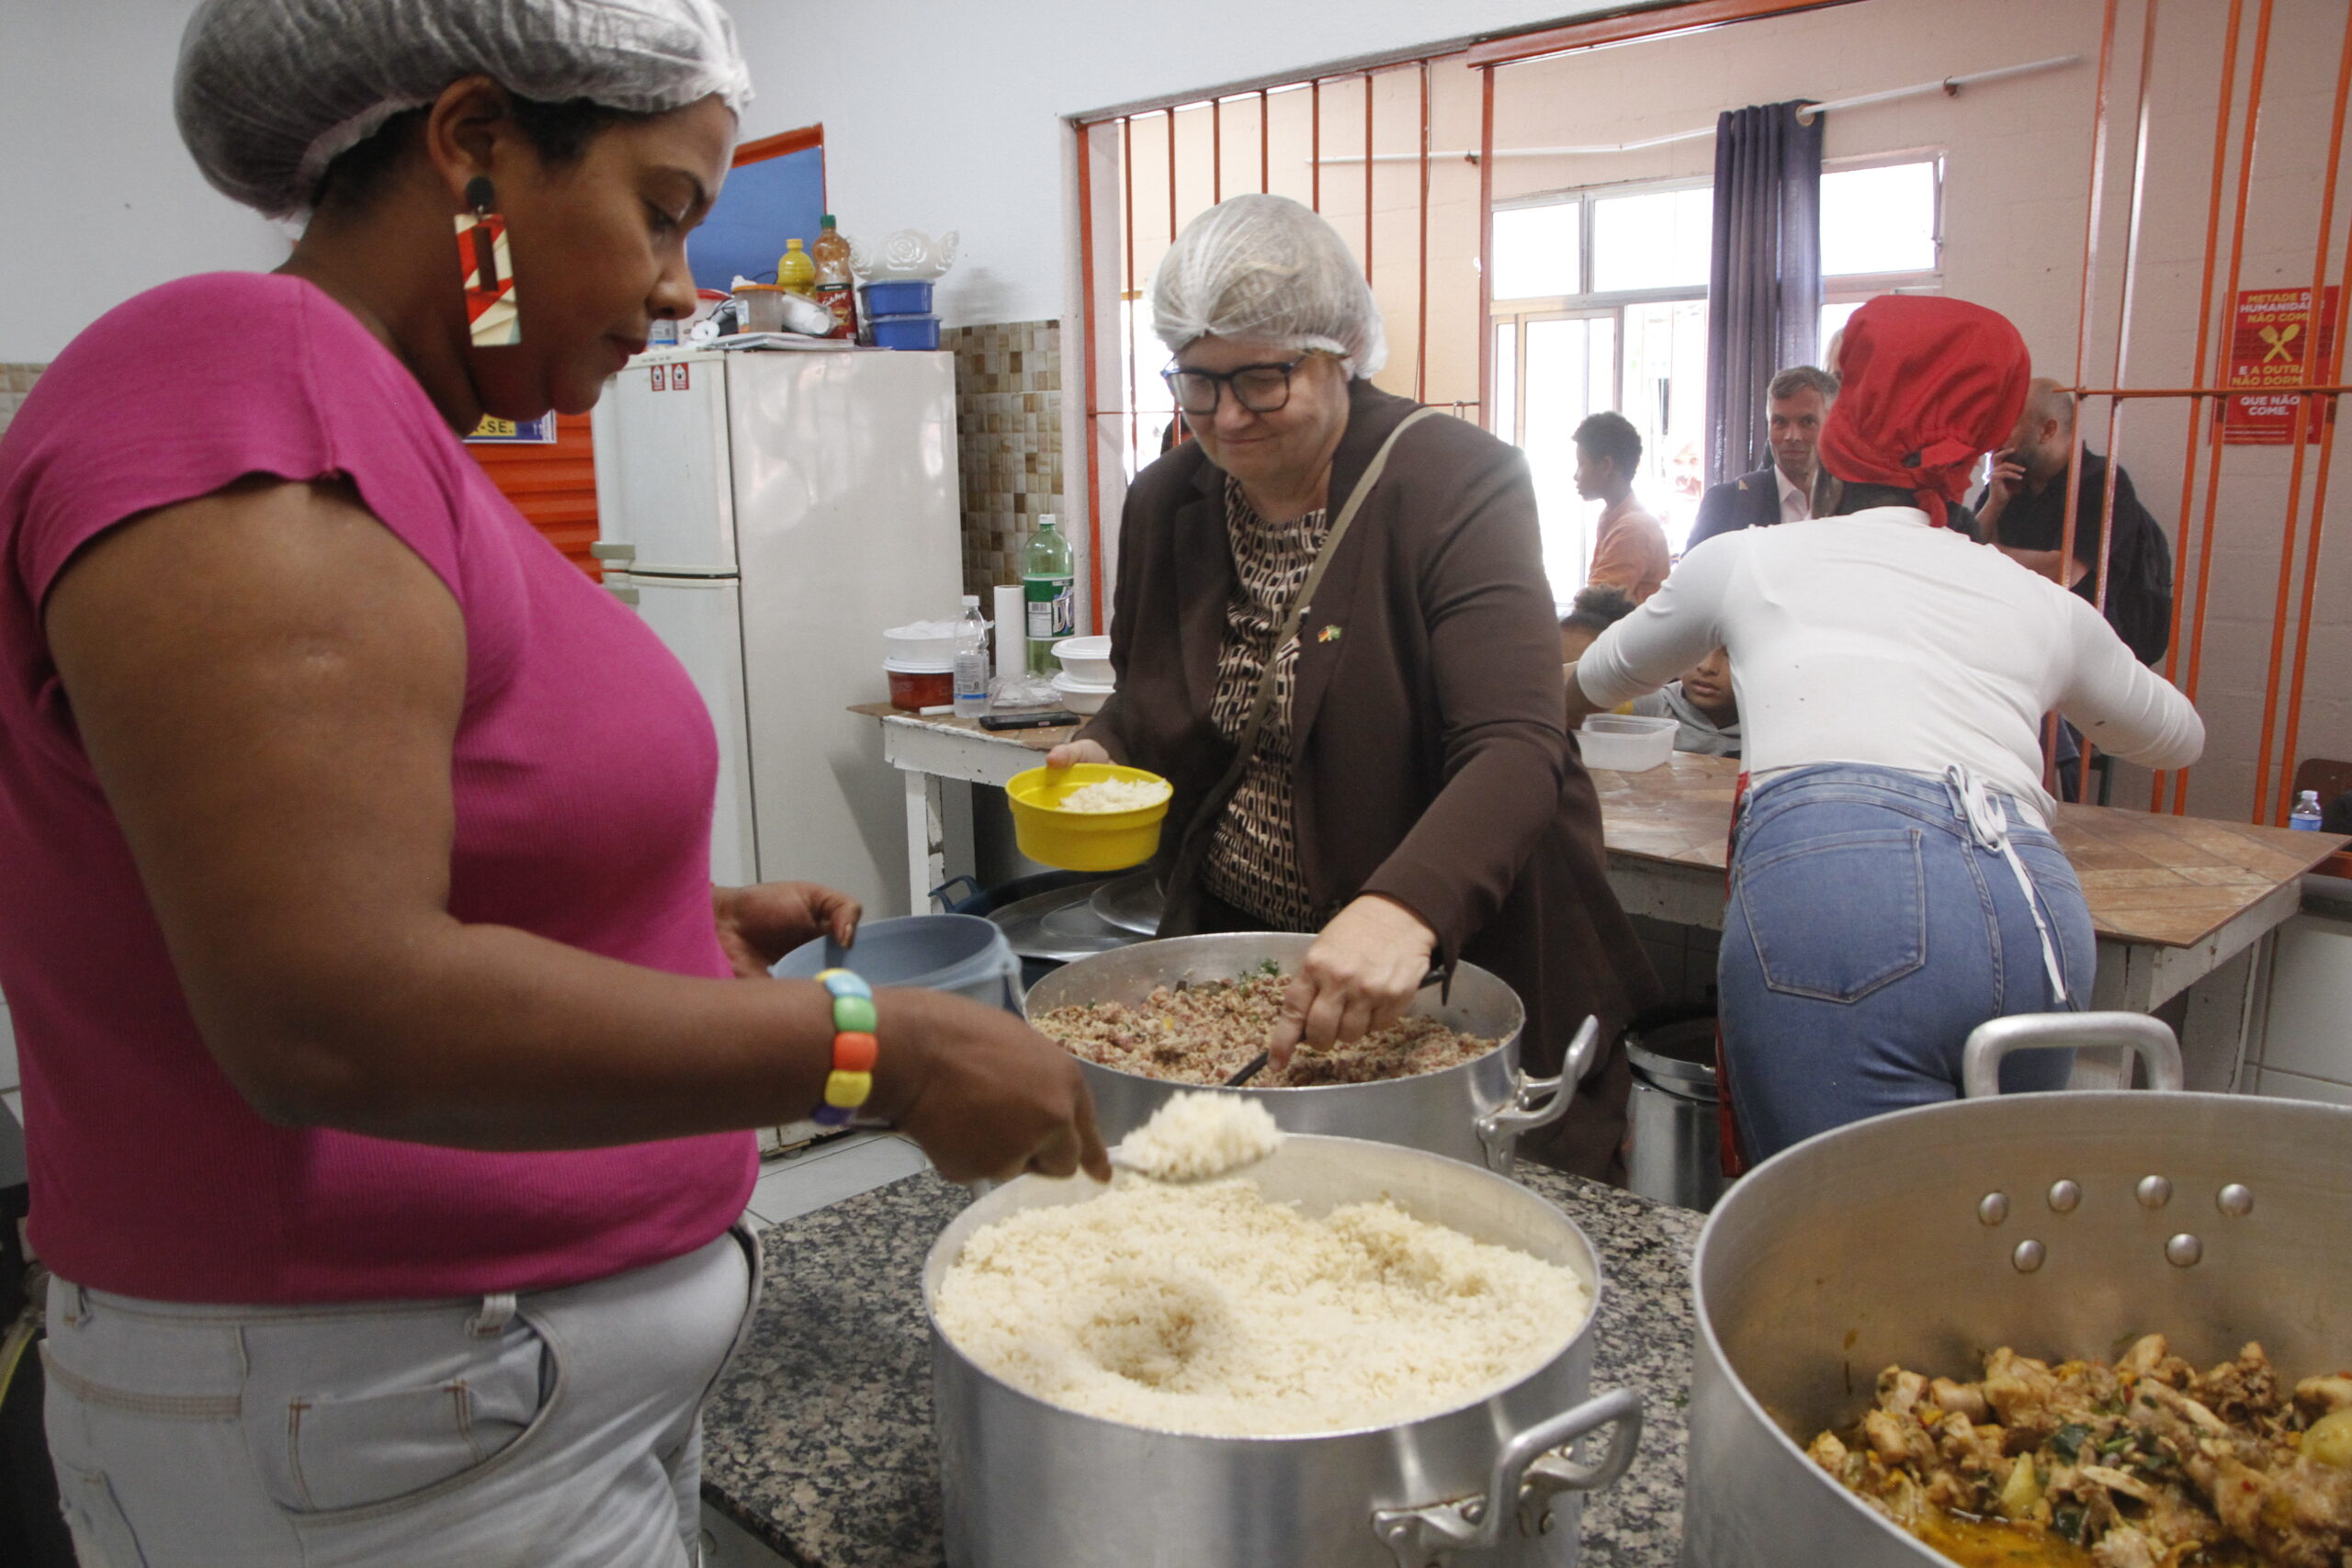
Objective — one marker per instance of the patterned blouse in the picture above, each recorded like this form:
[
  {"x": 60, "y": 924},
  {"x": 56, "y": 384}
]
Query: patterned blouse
[{"x": 1252, "y": 861}]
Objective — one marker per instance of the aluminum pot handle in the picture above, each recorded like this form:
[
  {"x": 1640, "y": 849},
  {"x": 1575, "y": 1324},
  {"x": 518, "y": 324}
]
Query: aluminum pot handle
[
  {"x": 1980, "y": 1059},
  {"x": 1529, "y": 1471},
  {"x": 1527, "y": 1108}
]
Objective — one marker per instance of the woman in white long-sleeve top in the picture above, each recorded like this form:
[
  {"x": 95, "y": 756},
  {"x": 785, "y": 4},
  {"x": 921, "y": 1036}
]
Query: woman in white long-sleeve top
[{"x": 1894, "y": 879}]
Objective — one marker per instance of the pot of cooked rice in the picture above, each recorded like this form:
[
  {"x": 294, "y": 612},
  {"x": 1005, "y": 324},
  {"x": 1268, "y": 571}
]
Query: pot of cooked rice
[
  {"x": 1149, "y": 1019},
  {"x": 1347, "y": 1355},
  {"x": 2099, "y": 1329}
]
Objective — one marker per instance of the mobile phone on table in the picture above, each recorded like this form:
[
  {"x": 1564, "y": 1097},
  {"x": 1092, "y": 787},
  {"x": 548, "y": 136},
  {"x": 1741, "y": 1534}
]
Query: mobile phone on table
[{"x": 1028, "y": 720}]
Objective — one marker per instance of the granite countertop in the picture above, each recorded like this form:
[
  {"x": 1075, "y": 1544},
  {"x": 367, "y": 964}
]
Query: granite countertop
[{"x": 819, "y": 1439}]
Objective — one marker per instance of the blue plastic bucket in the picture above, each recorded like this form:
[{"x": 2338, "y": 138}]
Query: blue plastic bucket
[{"x": 962, "y": 954}]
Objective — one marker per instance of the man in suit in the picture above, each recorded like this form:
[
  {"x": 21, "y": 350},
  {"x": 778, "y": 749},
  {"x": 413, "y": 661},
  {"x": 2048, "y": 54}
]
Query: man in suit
[{"x": 1782, "y": 491}]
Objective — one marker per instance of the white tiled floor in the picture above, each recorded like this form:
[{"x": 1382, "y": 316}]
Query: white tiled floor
[{"x": 800, "y": 1184}]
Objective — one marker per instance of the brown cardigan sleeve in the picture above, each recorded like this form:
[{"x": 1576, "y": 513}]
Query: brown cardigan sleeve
[
  {"x": 1108, "y": 727},
  {"x": 1494, "y": 659}
]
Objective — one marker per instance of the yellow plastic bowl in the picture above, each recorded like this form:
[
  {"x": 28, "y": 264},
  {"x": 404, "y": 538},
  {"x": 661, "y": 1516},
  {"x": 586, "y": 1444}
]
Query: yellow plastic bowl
[{"x": 1083, "y": 841}]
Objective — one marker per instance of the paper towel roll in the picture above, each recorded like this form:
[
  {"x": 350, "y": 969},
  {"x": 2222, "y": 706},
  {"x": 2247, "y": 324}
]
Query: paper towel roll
[{"x": 1012, "y": 633}]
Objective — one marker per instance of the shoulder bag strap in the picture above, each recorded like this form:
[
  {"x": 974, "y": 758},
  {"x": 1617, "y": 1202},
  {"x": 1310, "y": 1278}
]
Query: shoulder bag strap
[{"x": 1246, "y": 746}]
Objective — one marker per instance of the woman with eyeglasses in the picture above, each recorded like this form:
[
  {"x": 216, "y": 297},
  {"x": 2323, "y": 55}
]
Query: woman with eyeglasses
[{"x": 1333, "y": 635}]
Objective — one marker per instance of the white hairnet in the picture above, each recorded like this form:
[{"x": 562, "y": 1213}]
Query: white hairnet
[
  {"x": 1268, "y": 268},
  {"x": 270, "y": 92}
]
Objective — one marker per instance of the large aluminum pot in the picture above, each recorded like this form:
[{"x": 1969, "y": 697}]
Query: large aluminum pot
[
  {"x": 1028, "y": 1484},
  {"x": 1474, "y": 1111},
  {"x": 2055, "y": 1223}
]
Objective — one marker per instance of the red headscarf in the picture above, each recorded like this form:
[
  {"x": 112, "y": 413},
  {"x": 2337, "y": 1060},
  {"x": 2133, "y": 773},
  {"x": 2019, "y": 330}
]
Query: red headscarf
[{"x": 1926, "y": 387}]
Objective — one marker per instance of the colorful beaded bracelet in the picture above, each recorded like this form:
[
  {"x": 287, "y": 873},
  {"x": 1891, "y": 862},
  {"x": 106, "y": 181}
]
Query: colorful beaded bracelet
[{"x": 854, "y": 1048}]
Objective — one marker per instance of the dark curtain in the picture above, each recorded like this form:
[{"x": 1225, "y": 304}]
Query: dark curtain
[{"x": 1764, "y": 290}]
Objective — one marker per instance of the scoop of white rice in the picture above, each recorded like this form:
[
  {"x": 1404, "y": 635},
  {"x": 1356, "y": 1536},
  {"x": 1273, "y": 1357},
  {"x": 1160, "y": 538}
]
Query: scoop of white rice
[
  {"x": 1116, "y": 795},
  {"x": 1209, "y": 1309},
  {"x": 1194, "y": 1136}
]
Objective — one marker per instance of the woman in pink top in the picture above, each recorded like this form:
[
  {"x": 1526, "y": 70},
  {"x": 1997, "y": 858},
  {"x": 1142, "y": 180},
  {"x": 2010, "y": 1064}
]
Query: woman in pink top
[{"x": 384, "y": 1071}]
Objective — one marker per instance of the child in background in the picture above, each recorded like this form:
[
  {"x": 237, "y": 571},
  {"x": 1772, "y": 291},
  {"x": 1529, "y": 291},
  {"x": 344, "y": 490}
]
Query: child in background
[
  {"x": 1593, "y": 611},
  {"x": 1703, "y": 706}
]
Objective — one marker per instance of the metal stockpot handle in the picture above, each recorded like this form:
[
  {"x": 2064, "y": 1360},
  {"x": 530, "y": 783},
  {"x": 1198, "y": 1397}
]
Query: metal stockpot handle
[
  {"x": 1529, "y": 1471},
  {"x": 1980, "y": 1059},
  {"x": 1527, "y": 1108}
]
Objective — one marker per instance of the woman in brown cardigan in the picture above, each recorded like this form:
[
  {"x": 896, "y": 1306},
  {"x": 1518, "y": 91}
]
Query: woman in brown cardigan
[{"x": 1412, "y": 795}]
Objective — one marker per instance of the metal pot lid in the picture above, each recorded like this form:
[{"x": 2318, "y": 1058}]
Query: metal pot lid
[
  {"x": 1681, "y": 1051},
  {"x": 1132, "y": 902},
  {"x": 1060, "y": 926}
]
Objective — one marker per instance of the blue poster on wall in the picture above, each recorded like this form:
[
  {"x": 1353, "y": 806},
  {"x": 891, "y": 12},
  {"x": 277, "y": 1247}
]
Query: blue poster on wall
[{"x": 761, "y": 207}]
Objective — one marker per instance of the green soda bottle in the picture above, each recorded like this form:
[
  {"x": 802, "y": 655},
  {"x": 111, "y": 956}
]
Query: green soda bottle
[{"x": 1049, "y": 594}]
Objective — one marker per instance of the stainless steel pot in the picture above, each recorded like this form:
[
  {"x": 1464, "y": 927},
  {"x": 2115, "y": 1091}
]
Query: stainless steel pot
[
  {"x": 2051, "y": 1222},
  {"x": 1028, "y": 1484},
  {"x": 1673, "y": 1133},
  {"x": 1474, "y": 1111}
]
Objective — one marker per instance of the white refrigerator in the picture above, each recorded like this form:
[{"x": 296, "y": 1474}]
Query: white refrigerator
[{"x": 769, "y": 512}]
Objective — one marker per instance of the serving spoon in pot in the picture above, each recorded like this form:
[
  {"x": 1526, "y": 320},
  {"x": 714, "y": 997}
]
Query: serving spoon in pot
[{"x": 1199, "y": 1136}]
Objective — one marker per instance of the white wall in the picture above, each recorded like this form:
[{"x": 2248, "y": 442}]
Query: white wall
[
  {"x": 941, "y": 114},
  {"x": 99, "y": 200}
]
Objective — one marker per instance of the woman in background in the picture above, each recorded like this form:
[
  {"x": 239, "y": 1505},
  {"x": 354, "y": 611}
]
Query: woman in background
[{"x": 1894, "y": 882}]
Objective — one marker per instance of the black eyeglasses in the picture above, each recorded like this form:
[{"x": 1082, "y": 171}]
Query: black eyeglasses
[{"x": 1260, "y": 389}]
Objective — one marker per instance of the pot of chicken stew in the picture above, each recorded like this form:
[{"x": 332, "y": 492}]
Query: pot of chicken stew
[{"x": 2107, "y": 1329}]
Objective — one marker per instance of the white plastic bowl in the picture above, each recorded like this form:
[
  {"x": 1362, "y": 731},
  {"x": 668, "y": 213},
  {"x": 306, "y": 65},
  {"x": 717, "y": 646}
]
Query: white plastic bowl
[
  {"x": 923, "y": 642},
  {"x": 1625, "y": 742},
  {"x": 1081, "y": 696},
  {"x": 1086, "y": 658}
]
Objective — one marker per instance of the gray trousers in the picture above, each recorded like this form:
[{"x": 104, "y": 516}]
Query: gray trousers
[{"x": 549, "y": 1429}]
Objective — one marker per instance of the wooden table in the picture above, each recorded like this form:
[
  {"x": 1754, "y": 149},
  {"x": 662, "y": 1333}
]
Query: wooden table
[{"x": 2181, "y": 904}]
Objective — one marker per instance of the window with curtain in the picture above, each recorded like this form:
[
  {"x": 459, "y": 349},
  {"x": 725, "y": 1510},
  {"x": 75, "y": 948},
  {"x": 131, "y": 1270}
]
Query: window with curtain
[{"x": 1600, "y": 302}]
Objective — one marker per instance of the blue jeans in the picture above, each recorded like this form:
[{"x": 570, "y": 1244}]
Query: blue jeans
[{"x": 1869, "y": 932}]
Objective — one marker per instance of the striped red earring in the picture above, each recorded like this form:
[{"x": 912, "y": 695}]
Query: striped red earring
[{"x": 485, "y": 265}]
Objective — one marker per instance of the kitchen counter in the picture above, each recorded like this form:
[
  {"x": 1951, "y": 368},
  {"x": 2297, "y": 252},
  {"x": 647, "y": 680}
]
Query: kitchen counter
[{"x": 818, "y": 1439}]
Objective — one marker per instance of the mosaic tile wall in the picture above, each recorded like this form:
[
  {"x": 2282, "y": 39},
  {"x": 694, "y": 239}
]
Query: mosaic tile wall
[
  {"x": 1009, "y": 436},
  {"x": 16, "y": 380}
]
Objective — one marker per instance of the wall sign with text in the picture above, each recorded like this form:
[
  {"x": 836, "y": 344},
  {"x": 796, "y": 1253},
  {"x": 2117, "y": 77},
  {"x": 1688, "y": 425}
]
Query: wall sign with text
[
  {"x": 540, "y": 432},
  {"x": 2275, "y": 343}
]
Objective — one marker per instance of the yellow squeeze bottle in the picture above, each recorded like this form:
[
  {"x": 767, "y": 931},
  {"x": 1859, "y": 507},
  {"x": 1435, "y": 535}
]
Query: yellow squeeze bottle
[{"x": 795, "y": 270}]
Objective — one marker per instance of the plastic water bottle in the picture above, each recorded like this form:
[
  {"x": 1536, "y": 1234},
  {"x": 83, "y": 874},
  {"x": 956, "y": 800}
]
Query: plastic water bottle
[
  {"x": 972, "y": 660},
  {"x": 2306, "y": 814}
]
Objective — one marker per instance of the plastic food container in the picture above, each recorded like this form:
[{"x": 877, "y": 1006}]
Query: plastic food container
[
  {"x": 1083, "y": 841},
  {"x": 919, "y": 683},
  {"x": 905, "y": 332},
  {"x": 1081, "y": 696},
  {"x": 923, "y": 643},
  {"x": 1625, "y": 742},
  {"x": 884, "y": 300},
  {"x": 1086, "y": 658}
]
